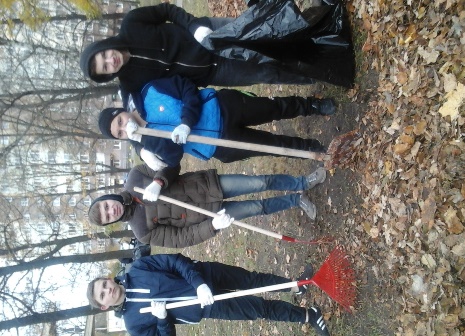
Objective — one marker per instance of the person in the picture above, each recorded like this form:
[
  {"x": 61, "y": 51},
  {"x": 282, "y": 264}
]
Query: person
[
  {"x": 160, "y": 223},
  {"x": 156, "y": 279},
  {"x": 175, "y": 104},
  {"x": 160, "y": 41}
]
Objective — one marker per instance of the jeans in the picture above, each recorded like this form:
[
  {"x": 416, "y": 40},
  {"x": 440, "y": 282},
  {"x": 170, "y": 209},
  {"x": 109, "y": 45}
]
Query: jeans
[{"x": 237, "y": 185}]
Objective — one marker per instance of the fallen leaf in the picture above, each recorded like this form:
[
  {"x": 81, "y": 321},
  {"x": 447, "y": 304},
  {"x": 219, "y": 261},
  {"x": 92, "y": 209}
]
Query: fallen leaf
[{"x": 454, "y": 100}]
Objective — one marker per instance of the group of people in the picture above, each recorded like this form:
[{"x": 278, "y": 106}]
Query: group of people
[{"x": 161, "y": 57}]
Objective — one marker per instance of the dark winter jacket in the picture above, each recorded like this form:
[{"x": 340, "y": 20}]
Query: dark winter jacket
[
  {"x": 169, "y": 225},
  {"x": 160, "y": 45},
  {"x": 164, "y": 277},
  {"x": 166, "y": 103}
]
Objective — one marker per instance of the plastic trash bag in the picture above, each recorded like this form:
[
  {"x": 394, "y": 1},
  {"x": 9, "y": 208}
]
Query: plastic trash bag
[{"x": 314, "y": 43}]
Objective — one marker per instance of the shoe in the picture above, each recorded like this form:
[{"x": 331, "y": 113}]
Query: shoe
[
  {"x": 316, "y": 320},
  {"x": 325, "y": 106},
  {"x": 317, "y": 177},
  {"x": 306, "y": 275},
  {"x": 307, "y": 206}
]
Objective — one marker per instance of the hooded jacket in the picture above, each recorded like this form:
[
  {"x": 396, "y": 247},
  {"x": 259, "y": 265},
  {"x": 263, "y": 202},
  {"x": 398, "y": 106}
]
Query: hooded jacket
[
  {"x": 163, "y": 277},
  {"x": 164, "y": 224},
  {"x": 160, "y": 44}
]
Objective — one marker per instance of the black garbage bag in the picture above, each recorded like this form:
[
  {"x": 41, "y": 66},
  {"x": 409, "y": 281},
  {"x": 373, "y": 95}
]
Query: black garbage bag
[{"x": 315, "y": 43}]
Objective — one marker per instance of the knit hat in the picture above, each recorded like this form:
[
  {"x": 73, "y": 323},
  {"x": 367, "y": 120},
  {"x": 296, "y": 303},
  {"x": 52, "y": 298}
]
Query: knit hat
[{"x": 105, "y": 118}]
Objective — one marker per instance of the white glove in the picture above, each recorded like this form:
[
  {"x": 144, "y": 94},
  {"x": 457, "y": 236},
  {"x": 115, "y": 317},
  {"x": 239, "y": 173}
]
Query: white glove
[
  {"x": 201, "y": 33},
  {"x": 152, "y": 160},
  {"x": 205, "y": 295},
  {"x": 159, "y": 309},
  {"x": 131, "y": 127},
  {"x": 152, "y": 192},
  {"x": 180, "y": 133},
  {"x": 222, "y": 221}
]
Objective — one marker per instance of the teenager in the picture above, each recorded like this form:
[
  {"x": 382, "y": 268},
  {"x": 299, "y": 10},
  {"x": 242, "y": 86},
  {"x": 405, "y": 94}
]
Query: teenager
[
  {"x": 156, "y": 279},
  {"x": 160, "y": 41},
  {"x": 164, "y": 224},
  {"x": 175, "y": 104}
]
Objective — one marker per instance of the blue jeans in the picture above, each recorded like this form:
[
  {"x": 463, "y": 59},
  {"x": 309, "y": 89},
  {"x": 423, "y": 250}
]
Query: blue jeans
[{"x": 237, "y": 185}]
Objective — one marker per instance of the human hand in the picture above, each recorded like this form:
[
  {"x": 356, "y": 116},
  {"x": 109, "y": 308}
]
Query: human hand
[
  {"x": 131, "y": 128},
  {"x": 180, "y": 133},
  {"x": 222, "y": 221},
  {"x": 152, "y": 192},
  {"x": 159, "y": 309},
  {"x": 201, "y": 33},
  {"x": 152, "y": 160},
  {"x": 205, "y": 296}
]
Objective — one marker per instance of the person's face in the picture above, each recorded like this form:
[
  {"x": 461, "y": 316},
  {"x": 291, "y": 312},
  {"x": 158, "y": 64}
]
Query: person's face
[
  {"x": 108, "y": 293},
  {"x": 108, "y": 62},
  {"x": 110, "y": 211},
  {"x": 118, "y": 125}
]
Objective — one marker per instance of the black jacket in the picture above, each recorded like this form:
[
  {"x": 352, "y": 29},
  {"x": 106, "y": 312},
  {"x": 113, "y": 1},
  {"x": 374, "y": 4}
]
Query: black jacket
[{"x": 161, "y": 45}]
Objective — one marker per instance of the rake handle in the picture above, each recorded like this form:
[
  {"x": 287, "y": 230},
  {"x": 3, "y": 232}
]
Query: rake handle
[
  {"x": 239, "y": 145},
  {"x": 212, "y": 214},
  {"x": 233, "y": 294}
]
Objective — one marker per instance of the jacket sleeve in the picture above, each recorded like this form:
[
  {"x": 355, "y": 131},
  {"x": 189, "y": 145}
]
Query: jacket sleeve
[
  {"x": 172, "y": 263},
  {"x": 176, "y": 237},
  {"x": 159, "y": 14},
  {"x": 166, "y": 149},
  {"x": 143, "y": 172},
  {"x": 185, "y": 90},
  {"x": 163, "y": 327}
]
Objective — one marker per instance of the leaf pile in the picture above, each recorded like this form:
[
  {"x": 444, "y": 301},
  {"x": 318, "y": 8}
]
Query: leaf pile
[{"x": 413, "y": 156}]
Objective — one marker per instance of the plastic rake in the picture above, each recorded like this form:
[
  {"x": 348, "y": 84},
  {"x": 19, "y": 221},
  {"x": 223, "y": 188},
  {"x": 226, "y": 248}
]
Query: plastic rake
[
  {"x": 238, "y": 223},
  {"x": 335, "y": 277}
]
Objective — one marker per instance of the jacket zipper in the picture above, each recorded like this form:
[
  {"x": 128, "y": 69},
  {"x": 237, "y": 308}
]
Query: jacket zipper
[{"x": 179, "y": 63}]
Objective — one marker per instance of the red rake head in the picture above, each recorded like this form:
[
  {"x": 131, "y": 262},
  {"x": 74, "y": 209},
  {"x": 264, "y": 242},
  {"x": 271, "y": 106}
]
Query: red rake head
[{"x": 336, "y": 278}]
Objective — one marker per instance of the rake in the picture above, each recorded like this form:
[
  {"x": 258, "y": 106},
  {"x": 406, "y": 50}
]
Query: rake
[
  {"x": 340, "y": 149},
  {"x": 335, "y": 277},
  {"x": 238, "y": 223}
]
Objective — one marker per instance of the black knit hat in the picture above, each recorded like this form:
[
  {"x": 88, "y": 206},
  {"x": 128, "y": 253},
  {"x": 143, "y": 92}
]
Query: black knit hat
[{"x": 105, "y": 118}]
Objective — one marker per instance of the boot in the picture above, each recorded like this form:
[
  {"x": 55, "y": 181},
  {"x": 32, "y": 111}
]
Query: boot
[
  {"x": 307, "y": 206},
  {"x": 316, "y": 320},
  {"x": 317, "y": 177},
  {"x": 325, "y": 106}
]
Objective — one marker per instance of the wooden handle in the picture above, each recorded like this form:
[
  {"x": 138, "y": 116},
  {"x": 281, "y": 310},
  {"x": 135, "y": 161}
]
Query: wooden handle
[
  {"x": 211, "y": 214},
  {"x": 238, "y": 145},
  {"x": 228, "y": 295}
]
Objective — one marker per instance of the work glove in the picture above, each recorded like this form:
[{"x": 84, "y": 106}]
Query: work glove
[
  {"x": 201, "y": 33},
  {"x": 159, "y": 309},
  {"x": 180, "y": 133},
  {"x": 152, "y": 192},
  {"x": 131, "y": 128},
  {"x": 152, "y": 160},
  {"x": 205, "y": 296},
  {"x": 222, "y": 221}
]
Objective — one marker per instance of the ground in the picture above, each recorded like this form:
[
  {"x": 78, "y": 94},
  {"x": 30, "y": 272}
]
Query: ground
[{"x": 397, "y": 208}]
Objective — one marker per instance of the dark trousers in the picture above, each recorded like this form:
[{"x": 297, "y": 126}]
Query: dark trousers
[
  {"x": 241, "y": 110},
  {"x": 226, "y": 278}
]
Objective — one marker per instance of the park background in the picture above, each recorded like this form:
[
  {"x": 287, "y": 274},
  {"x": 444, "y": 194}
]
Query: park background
[{"x": 397, "y": 208}]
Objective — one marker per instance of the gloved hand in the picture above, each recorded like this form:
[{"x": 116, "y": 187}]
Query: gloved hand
[
  {"x": 180, "y": 133},
  {"x": 152, "y": 160},
  {"x": 222, "y": 221},
  {"x": 131, "y": 127},
  {"x": 205, "y": 295},
  {"x": 159, "y": 309},
  {"x": 201, "y": 33},
  {"x": 152, "y": 192}
]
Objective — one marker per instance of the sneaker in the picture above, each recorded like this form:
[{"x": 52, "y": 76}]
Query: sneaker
[
  {"x": 317, "y": 177},
  {"x": 325, "y": 106},
  {"x": 306, "y": 275},
  {"x": 307, "y": 206},
  {"x": 316, "y": 320}
]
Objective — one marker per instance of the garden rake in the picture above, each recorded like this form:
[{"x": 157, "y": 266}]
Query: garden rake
[
  {"x": 340, "y": 150},
  {"x": 335, "y": 277},
  {"x": 238, "y": 223}
]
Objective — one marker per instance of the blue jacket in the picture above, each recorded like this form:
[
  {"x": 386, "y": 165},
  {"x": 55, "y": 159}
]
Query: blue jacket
[
  {"x": 164, "y": 277},
  {"x": 168, "y": 102}
]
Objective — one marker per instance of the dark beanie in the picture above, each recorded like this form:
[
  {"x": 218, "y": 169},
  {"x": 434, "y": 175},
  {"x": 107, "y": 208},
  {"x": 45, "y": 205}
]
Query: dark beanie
[{"x": 105, "y": 118}]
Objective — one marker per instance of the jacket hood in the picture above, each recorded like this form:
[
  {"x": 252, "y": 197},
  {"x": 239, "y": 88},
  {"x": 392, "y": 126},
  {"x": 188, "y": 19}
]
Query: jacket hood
[{"x": 94, "y": 48}]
